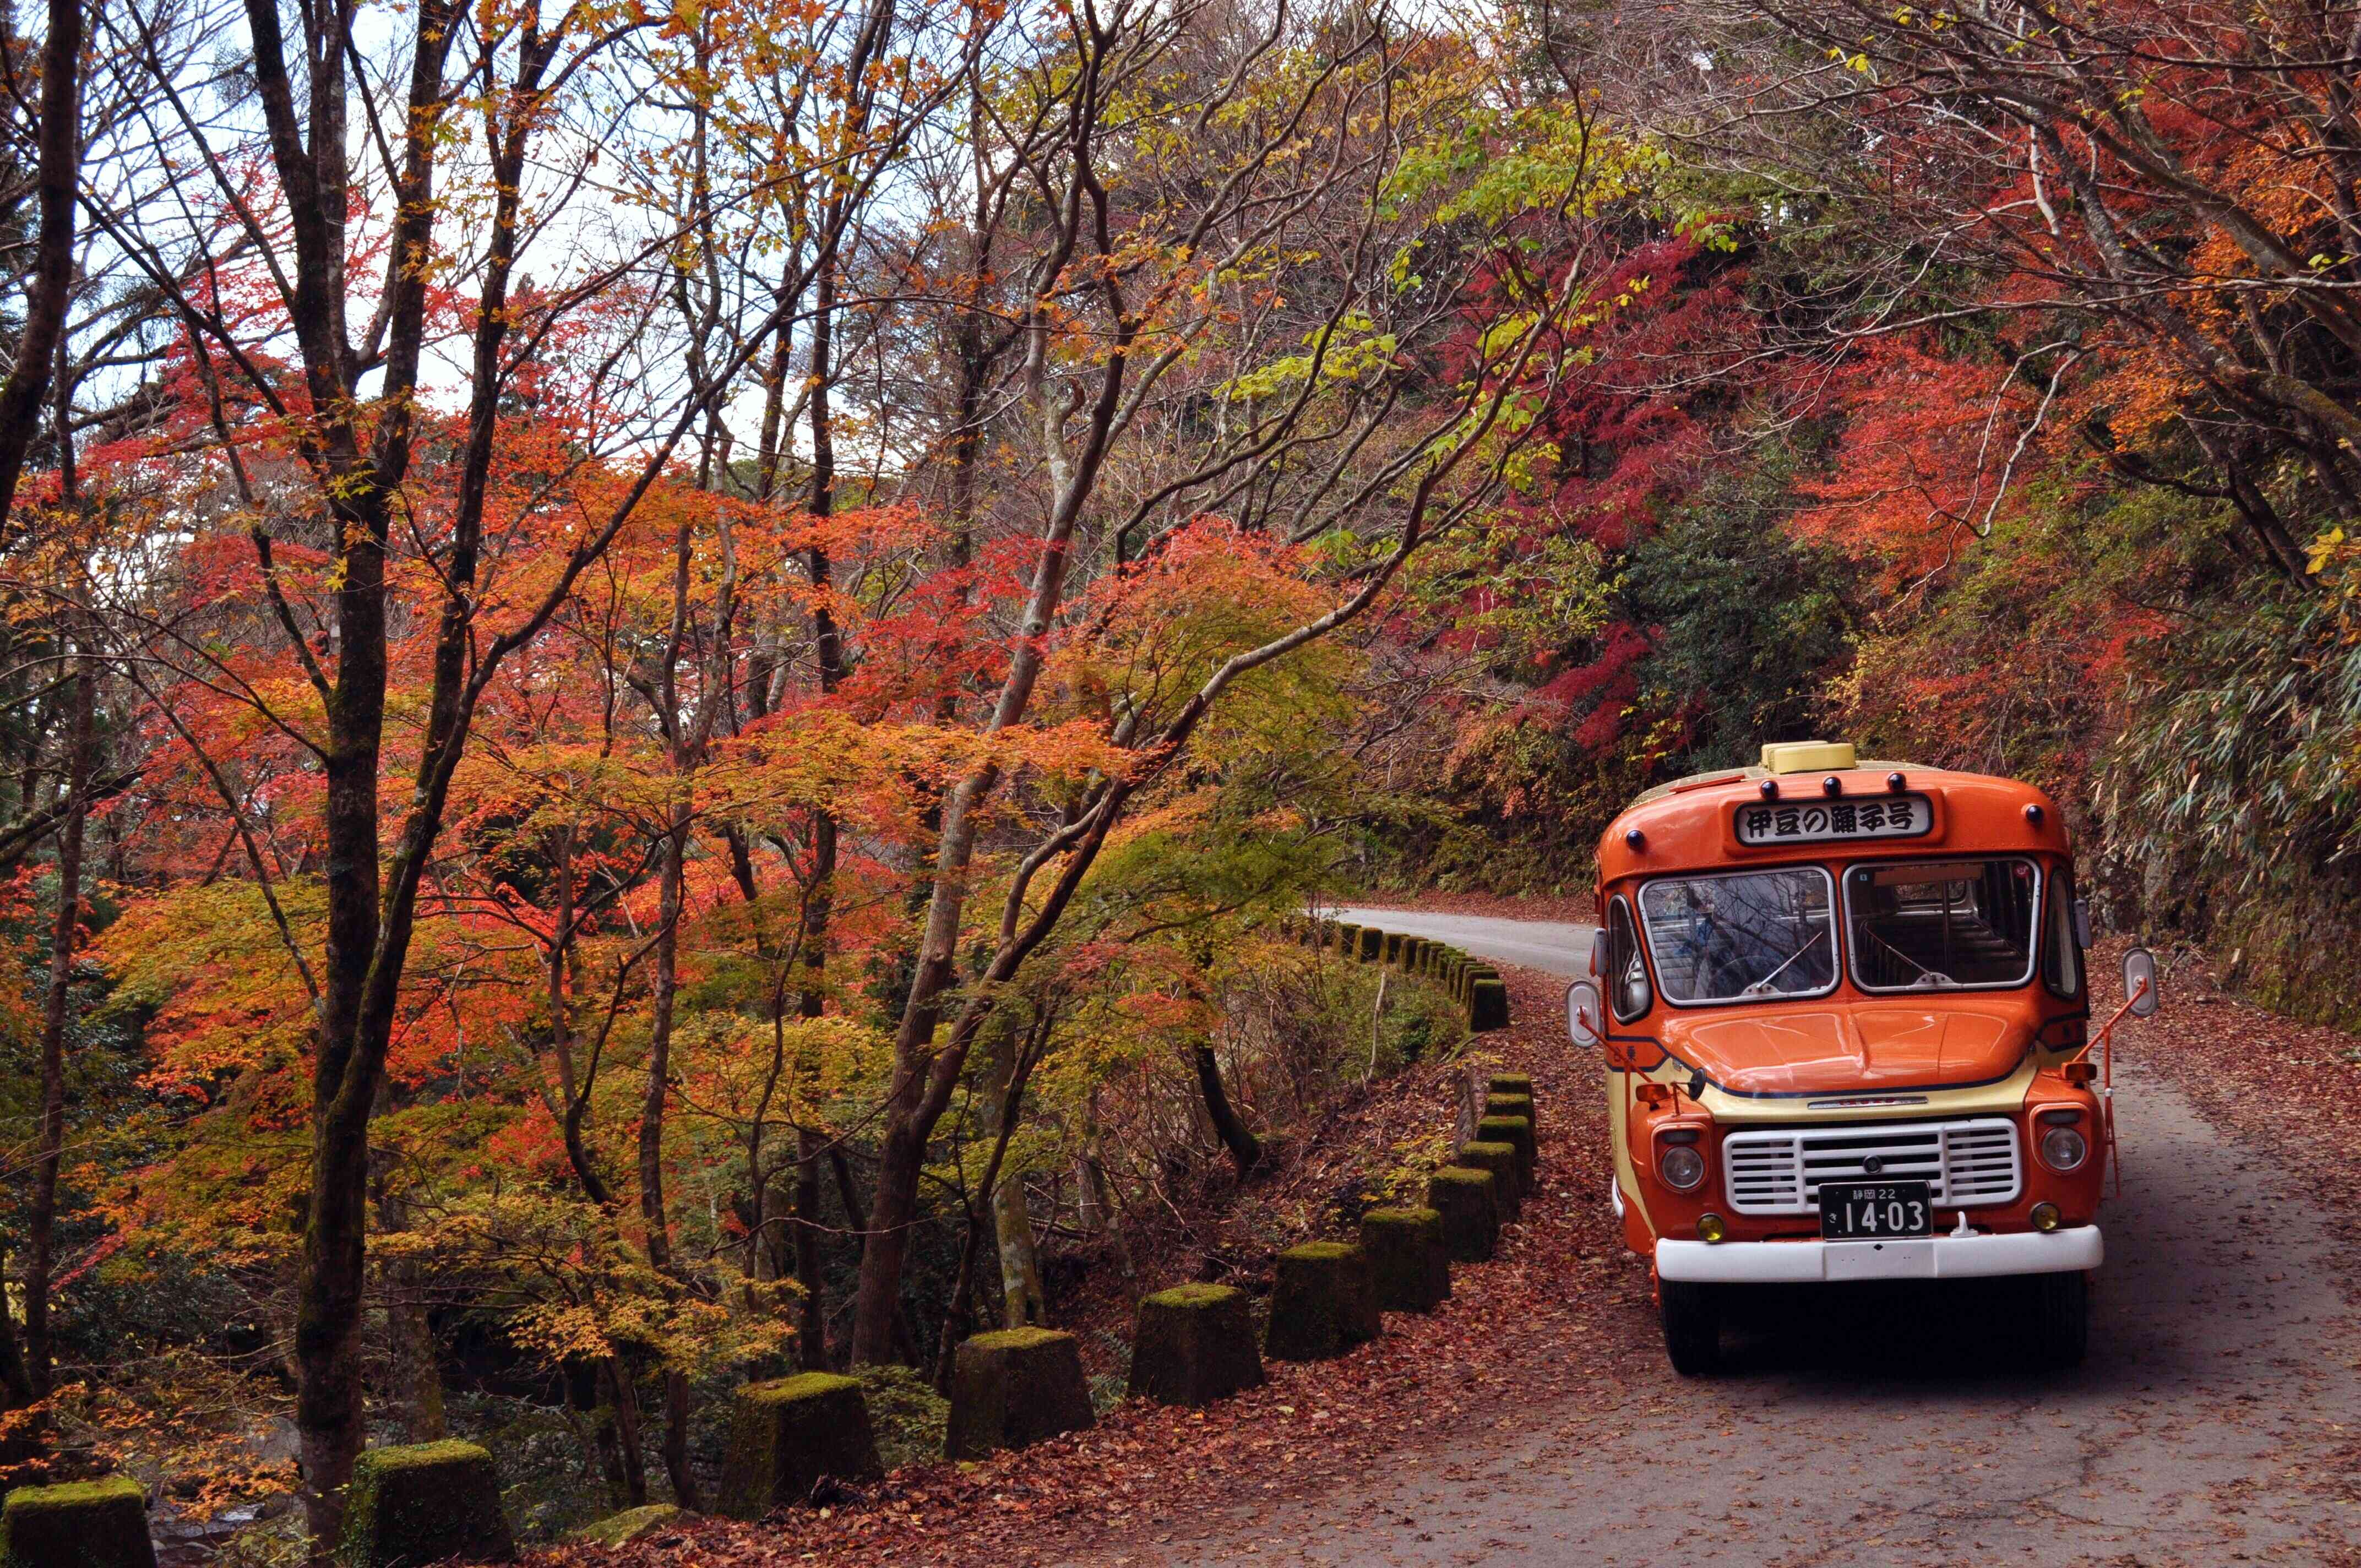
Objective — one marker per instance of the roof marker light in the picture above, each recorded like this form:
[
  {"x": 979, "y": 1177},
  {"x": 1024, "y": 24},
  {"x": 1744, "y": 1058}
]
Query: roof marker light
[
  {"x": 1832, "y": 786},
  {"x": 2033, "y": 814},
  {"x": 1894, "y": 782},
  {"x": 1769, "y": 788},
  {"x": 1635, "y": 837}
]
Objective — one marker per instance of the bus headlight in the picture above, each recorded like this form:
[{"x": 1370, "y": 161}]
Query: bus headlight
[
  {"x": 2063, "y": 1148},
  {"x": 1681, "y": 1166}
]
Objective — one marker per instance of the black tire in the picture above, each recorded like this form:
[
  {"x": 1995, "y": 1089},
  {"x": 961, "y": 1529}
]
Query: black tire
[
  {"x": 2059, "y": 1323},
  {"x": 1692, "y": 1319}
]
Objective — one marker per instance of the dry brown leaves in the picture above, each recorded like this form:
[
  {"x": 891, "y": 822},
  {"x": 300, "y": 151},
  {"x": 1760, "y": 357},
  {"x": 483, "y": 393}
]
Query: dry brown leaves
[{"x": 2291, "y": 1091}]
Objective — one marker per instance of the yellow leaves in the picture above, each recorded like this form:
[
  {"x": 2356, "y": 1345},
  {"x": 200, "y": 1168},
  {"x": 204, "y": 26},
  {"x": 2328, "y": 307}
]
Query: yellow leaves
[
  {"x": 2334, "y": 557},
  {"x": 2324, "y": 548},
  {"x": 580, "y": 1287},
  {"x": 208, "y": 960},
  {"x": 1352, "y": 352}
]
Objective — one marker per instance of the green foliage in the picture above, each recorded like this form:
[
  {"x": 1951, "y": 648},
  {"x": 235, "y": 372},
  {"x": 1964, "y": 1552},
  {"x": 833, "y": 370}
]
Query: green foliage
[
  {"x": 1401, "y": 1182},
  {"x": 2234, "y": 796},
  {"x": 906, "y": 1413},
  {"x": 547, "y": 1480},
  {"x": 1746, "y": 622}
]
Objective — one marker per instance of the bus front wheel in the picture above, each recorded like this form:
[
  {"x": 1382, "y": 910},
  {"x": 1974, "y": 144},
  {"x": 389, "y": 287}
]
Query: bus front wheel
[
  {"x": 2059, "y": 1323},
  {"x": 1692, "y": 1319}
]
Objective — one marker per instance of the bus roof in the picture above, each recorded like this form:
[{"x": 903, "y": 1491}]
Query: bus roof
[{"x": 1869, "y": 809}]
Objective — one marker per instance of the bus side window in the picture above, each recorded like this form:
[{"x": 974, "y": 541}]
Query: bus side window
[
  {"x": 2061, "y": 956},
  {"x": 1627, "y": 974}
]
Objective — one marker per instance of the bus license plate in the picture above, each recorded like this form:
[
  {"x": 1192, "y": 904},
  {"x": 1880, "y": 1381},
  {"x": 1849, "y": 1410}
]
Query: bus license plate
[{"x": 1872, "y": 1210}]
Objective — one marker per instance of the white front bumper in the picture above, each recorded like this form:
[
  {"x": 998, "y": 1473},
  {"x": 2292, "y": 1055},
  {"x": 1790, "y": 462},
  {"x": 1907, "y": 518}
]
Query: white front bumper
[{"x": 2071, "y": 1250}]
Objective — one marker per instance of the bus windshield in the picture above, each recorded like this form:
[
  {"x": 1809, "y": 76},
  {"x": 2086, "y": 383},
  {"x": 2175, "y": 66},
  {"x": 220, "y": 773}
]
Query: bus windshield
[
  {"x": 1934, "y": 926},
  {"x": 1743, "y": 937}
]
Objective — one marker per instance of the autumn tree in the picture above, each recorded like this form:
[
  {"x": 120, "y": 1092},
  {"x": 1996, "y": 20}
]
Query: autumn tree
[{"x": 421, "y": 154}]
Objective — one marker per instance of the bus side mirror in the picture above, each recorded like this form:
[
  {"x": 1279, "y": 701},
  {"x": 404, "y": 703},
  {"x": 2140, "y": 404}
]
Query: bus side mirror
[
  {"x": 1598, "y": 953},
  {"x": 2139, "y": 982},
  {"x": 1584, "y": 1015},
  {"x": 2082, "y": 924}
]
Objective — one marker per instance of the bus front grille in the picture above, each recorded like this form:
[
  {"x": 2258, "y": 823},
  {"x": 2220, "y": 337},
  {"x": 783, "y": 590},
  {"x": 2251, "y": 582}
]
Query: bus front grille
[{"x": 1965, "y": 1163}]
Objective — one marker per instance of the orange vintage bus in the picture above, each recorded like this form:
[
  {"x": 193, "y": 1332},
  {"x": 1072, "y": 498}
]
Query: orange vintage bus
[{"x": 1847, "y": 1030}]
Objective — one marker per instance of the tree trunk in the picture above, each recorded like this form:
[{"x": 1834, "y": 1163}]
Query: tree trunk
[
  {"x": 819, "y": 900},
  {"x": 1021, "y": 1304},
  {"x": 422, "y": 1366},
  {"x": 877, "y": 1304},
  {"x": 623, "y": 1400},
  {"x": 1244, "y": 1148},
  {"x": 959, "y": 1312},
  {"x": 42, "y": 1223},
  {"x": 675, "y": 1442},
  {"x": 43, "y": 328},
  {"x": 811, "y": 1316},
  {"x": 653, "y": 1215}
]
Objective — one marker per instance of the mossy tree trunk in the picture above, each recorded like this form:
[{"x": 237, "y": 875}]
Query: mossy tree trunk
[
  {"x": 1004, "y": 1101},
  {"x": 1009, "y": 1056}
]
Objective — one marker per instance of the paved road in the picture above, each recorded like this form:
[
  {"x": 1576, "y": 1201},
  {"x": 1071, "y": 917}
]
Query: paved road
[
  {"x": 1552, "y": 947},
  {"x": 2215, "y": 1421}
]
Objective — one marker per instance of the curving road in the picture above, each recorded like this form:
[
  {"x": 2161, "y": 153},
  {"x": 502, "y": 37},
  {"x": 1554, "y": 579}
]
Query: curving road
[
  {"x": 2216, "y": 1420},
  {"x": 1552, "y": 947}
]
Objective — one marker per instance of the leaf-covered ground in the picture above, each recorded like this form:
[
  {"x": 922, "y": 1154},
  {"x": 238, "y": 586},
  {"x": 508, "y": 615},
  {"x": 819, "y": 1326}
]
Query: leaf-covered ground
[
  {"x": 1541, "y": 1320},
  {"x": 2291, "y": 1091}
]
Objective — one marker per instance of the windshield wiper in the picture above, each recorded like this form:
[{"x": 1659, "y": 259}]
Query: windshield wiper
[
  {"x": 1928, "y": 979},
  {"x": 1761, "y": 987}
]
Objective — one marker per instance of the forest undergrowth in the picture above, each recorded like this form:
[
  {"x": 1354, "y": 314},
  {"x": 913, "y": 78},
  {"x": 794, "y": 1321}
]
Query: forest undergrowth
[{"x": 1546, "y": 1320}]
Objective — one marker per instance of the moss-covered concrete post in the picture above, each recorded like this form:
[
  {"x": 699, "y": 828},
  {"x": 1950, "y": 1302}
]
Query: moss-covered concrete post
[
  {"x": 1390, "y": 946},
  {"x": 1509, "y": 1083},
  {"x": 787, "y": 1436},
  {"x": 1323, "y": 1303},
  {"x": 1487, "y": 1005},
  {"x": 1408, "y": 1264},
  {"x": 422, "y": 1503},
  {"x": 1508, "y": 1181},
  {"x": 86, "y": 1524},
  {"x": 1513, "y": 1130},
  {"x": 1373, "y": 944},
  {"x": 1195, "y": 1344},
  {"x": 1012, "y": 1388},
  {"x": 1511, "y": 1105},
  {"x": 1471, "y": 1213}
]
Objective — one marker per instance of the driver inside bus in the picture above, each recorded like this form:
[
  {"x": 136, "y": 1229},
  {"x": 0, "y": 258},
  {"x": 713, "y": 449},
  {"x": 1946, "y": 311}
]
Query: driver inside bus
[{"x": 1726, "y": 951}]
